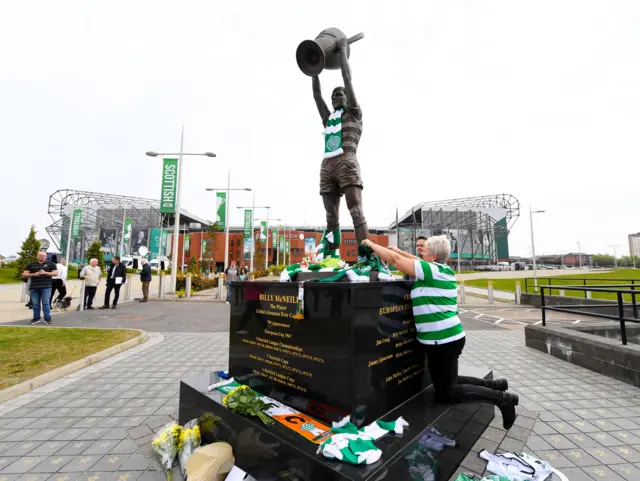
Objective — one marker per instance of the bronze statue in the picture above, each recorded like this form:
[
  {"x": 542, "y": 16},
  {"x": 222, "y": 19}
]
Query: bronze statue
[{"x": 340, "y": 171}]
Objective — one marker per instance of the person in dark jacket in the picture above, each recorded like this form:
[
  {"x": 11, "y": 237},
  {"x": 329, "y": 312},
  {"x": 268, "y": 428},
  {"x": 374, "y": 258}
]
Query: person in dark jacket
[
  {"x": 145, "y": 278},
  {"x": 116, "y": 277}
]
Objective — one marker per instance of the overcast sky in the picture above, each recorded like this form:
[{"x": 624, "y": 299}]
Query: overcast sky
[{"x": 537, "y": 99}]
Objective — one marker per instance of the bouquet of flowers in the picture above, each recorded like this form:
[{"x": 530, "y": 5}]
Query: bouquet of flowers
[
  {"x": 190, "y": 440},
  {"x": 166, "y": 444},
  {"x": 244, "y": 400}
]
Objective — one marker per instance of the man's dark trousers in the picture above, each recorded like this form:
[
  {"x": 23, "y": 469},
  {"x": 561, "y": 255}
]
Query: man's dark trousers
[{"x": 112, "y": 286}]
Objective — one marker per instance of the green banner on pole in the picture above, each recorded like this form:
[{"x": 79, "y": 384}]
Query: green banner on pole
[
  {"x": 187, "y": 242},
  {"x": 221, "y": 210},
  {"x": 128, "y": 225},
  {"x": 169, "y": 192},
  {"x": 274, "y": 238},
  {"x": 263, "y": 231},
  {"x": 281, "y": 243},
  {"x": 248, "y": 223},
  {"x": 76, "y": 224},
  {"x": 286, "y": 248},
  {"x": 204, "y": 245}
]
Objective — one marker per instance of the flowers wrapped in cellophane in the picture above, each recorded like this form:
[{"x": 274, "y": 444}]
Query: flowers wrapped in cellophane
[
  {"x": 190, "y": 440},
  {"x": 167, "y": 444},
  {"x": 244, "y": 400}
]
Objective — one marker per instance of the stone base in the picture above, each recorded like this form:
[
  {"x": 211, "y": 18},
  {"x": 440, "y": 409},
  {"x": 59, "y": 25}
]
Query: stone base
[{"x": 265, "y": 452}]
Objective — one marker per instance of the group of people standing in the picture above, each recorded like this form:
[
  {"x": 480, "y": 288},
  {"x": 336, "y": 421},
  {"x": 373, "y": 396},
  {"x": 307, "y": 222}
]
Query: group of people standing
[
  {"x": 233, "y": 274},
  {"x": 45, "y": 278}
]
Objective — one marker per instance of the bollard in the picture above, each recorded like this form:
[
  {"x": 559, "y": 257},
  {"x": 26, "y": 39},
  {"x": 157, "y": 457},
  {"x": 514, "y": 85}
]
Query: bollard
[
  {"x": 187, "y": 285},
  {"x": 490, "y": 291},
  {"x": 82, "y": 289},
  {"x": 518, "y": 293},
  {"x": 462, "y": 293},
  {"x": 588, "y": 294},
  {"x": 26, "y": 294},
  {"x": 161, "y": 285},
  {"x": 220, "y": 278},
  {"x": 127, "y": 288},
  {"x": 562, "y": 292}
]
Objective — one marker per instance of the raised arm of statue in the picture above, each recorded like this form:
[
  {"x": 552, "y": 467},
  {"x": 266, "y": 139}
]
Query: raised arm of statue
[
  {"x": 346, "y": 74},
  {"x": 323, "y": 110}
]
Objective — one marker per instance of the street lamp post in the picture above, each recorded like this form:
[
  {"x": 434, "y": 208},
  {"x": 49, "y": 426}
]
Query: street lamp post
[
  {"x": 579, "y": 254},
  {"x": 176, "y": 222},
  {"x": 253, "y": 209},
  {"x": 226, "y": 234},
  {"x": 615, "y": 257},
  {"x": 533, "y": 248}
]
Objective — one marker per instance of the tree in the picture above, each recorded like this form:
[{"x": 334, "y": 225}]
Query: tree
[
  {"x": 193, "y": 266},
  {"x": 28, "y": 252},
  {"x": 213, "y": 232},
  {"x": 603, "y": 260},
  {"x": 95, "y": 252}
]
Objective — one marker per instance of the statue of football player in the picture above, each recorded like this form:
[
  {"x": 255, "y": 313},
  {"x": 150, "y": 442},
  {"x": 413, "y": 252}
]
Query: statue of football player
[{"x": 340, "y": 172}]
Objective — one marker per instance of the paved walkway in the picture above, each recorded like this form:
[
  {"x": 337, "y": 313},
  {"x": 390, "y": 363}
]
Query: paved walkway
[{"x": 97, "y": 424}]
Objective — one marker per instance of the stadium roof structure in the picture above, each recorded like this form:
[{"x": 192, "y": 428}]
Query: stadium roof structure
[
  {"x": 487, "y": 203},
  {"x": 107, "y": 210}
]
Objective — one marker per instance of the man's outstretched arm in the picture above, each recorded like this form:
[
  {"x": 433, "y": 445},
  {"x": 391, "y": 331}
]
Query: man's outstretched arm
[
  {"x": 404, "y": 264},
  {"x": 346, "y": 74},
  {"x": 403, "y": 253},
  {"x": 323, "y": 110}
]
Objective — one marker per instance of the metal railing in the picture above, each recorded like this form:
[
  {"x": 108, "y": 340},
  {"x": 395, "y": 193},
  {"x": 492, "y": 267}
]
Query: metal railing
[
  {"x": 529, "y": 282},
  {"x": 618, "y": 290}
]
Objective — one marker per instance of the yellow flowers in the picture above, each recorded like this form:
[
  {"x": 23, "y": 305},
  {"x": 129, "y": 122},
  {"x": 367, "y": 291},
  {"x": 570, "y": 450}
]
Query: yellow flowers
[
  {"x": 167, "y": 444},
  {"x": 190, "y": 440}
]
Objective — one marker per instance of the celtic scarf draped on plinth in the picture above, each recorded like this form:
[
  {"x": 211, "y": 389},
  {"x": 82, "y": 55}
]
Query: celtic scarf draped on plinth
[{"x": 333, "y": 135}]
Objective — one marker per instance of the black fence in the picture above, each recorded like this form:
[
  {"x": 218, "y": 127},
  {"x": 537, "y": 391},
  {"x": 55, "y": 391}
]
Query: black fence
[
  {"x": 530, "y": 287},
  {"x": 618, "y": 291}
]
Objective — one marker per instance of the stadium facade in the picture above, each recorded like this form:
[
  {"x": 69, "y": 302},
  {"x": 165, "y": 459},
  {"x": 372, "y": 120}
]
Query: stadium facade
[
  {"x": 478, "y": 227},
  {"x": 104, "y": 217}
]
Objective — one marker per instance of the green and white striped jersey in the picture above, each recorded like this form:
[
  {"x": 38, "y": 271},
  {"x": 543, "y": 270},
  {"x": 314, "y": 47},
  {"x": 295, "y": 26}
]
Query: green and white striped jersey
[{"x": 434, "y": 297}]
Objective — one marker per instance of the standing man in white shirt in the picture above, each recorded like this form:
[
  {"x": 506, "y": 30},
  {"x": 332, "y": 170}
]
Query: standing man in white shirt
[{"x": 59, "y": 281}]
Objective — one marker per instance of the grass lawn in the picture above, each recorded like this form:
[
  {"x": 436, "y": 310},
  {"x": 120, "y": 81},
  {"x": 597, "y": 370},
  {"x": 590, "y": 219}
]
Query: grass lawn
[
  {"x": 608, "y": 278},
  {"x": 7, "y": 276},
  {"x": 27, "y": 352}
]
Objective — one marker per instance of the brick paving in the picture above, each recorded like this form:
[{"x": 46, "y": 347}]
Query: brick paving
[{"x": 97, "y": 424}]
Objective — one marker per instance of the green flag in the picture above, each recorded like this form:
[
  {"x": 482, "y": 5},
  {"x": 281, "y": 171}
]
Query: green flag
[
  {"x": 187, "y": 242},
  {"x": 76, "y": 224},
  {"x": 248, "y": 223},
  {"x": 169, "y": 186},
  {"x": 263, "y": 231},
  {"x": 126, "y": 238},
  {"x": 281, "y": 243},
  {"x": 221, "y": 211}
]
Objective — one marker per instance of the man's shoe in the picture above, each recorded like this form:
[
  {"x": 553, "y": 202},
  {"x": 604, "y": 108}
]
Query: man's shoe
[
  {"x": 112, "y": 307},
  {"x": 47, "y": 321},
  {"x": 34, "y": 321},
  {"x": 89, "y": 308},
  {"x": 501, "y": 385},
  {"x": 508, "y": 409},
  {"x": 104, "y": 307}
]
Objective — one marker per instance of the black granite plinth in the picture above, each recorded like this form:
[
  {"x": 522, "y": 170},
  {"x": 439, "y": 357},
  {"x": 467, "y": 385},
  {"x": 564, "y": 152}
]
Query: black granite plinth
[
  {"x": 268, "y": 453},
  {"x": 353, "y": 352}
]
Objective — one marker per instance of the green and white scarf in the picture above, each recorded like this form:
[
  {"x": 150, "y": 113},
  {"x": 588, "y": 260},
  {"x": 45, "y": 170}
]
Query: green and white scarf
[
  {"x": 328, "y": 246},
  {"x": 355, "y": 446},
  {"x": 333, "y": 135}
]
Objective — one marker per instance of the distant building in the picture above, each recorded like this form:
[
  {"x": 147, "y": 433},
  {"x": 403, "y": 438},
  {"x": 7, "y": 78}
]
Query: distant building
[
  {"x": 569, "y": 260},
  {"x": 634, "y": 244}
]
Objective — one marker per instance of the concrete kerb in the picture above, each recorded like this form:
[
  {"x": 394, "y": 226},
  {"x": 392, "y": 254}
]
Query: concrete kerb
[{"x": 36, "y": 382}]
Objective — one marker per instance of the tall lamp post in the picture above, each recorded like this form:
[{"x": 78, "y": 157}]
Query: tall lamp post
[
  {"x": 615, "y": 257},
  {"x": 579, "y": 254},
  {"x": 533, "y": 248},
  {"x": 226, "y": 233},
  {"x": 176, "y": 222},
  {"x": 253, "y": 209}
]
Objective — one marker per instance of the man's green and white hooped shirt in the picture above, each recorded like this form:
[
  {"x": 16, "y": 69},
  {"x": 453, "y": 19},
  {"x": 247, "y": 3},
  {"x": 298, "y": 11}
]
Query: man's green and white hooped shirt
[{"x": 434, "y": 297}]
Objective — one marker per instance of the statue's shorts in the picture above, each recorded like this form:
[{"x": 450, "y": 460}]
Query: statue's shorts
[{"x": 338, "y": 173}]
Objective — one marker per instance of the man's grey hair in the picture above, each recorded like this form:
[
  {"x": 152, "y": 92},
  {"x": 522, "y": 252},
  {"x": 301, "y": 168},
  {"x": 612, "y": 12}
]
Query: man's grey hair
[
  {"x": 143, "y": 261},
  {"x": 440, "y": 246},
  {"x": 91, "y": 261}
]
